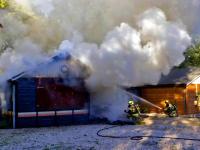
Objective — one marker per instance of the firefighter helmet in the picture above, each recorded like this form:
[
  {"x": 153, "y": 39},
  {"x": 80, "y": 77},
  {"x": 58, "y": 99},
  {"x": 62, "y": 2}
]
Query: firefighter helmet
[
  {"x": 130, "y": 102},
  {"x": 166, "y": 101}
]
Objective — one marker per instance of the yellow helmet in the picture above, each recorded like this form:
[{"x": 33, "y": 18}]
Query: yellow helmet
[
  {"x": 166, "y": 101},
  {"x": 130, "y": 102}
]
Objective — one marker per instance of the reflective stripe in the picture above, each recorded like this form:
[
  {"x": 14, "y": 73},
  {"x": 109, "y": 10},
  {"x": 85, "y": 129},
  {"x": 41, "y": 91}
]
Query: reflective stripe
[
  {"x": 27, "y": 114},
  {"x": 83, "y": 111},
  {"x": 52, "y": 113},
  {"x": 67, "y": 112},
  {"x": 46, "y": 113}
]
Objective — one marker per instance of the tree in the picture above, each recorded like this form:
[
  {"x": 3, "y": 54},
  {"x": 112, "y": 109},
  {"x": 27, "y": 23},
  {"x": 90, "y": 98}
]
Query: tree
[
  {"x": 192, "y": 55},
  {"x": 28, "y": 23}
]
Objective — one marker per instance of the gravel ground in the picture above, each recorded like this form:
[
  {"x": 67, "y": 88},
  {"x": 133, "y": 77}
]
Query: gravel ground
[{"x": 84, "y": 137}]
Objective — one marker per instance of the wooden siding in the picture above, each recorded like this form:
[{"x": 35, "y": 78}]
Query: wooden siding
[
  {"x": 192, "y": 89},
  {"x": 179, "y": 99},
  {"x": 158, "y": 95},
  {"x": 26, "y": 95},
  {"x": 27, "y": 115}
]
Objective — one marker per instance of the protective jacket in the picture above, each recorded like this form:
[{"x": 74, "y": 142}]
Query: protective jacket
[
  {"x": 171, "y": 110},
  {"x": 198, "y": 99},
  {"x": 132, "y": 112}
]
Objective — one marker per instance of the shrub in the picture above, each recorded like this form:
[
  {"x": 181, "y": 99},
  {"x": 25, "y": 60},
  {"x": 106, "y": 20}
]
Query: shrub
[
  {"x": 6, "y": 123},
  {"x": 144, "y": 109}
]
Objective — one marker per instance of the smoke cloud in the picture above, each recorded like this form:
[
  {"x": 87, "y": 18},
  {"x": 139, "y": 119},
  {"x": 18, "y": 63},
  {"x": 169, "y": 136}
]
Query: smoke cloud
[{"x": 126, "y": 43}]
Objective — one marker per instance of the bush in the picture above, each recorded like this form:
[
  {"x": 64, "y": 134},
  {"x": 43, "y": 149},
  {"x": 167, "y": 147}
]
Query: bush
[
  {"x": 144, "y": 109},
  {"x": 6, "y": 123}
]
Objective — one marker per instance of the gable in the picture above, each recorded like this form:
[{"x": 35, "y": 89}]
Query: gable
[{"x": 58, "y": 66}]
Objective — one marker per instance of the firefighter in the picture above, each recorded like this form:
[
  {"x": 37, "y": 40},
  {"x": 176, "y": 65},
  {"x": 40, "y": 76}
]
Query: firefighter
[
  {"x": 133, "y": 112},
  {"x": 171, "y": 109},
  {"x": 197, "y": 98}
]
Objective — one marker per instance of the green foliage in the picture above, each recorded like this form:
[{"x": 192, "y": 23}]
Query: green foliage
[
  {"x": 28, "y": 22},
  {"x": 192, "y": 55},
  {"x": 144, "y": 109},
  {"x": 6, "y": 123}
]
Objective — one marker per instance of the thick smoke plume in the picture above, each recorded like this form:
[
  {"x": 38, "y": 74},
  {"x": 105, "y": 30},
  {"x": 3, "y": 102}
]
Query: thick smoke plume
[{"x": 126, "y": 43}]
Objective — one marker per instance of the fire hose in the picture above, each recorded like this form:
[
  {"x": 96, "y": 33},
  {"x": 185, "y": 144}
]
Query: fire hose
[{"x": 139, "y": 137}]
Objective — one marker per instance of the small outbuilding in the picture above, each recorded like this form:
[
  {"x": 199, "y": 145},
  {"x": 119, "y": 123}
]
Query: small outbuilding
[
  {"x": 180, "y": 87},
  {"x": 53, "y": 93}
]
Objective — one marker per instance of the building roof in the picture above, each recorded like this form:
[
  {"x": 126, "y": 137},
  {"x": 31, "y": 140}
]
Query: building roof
[
  {"x": 181, "y": 76},
  {"x": 50, "y": 62}
]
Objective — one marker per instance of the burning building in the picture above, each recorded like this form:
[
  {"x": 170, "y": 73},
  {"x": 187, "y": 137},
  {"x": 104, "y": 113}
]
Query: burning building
[{"x": 52, "y": 93}]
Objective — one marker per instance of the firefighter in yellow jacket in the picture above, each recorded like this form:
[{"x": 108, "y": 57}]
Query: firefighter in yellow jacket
[
  {"x": 197, "y": 98},
  {"x": 133, "y": 112},
  {"x": 171, "y": 109}
]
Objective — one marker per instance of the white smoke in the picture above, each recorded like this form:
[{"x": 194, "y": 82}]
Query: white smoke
[
  {"x": 126, "y": 43},
  {"x": 130, "y": 57}
]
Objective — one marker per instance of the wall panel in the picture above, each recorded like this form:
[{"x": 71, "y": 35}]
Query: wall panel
[{"x": 158, "y": 95}]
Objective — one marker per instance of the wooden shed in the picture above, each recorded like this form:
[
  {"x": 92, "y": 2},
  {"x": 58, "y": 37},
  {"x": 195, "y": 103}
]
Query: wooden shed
[
  {"x": 52, "y": 93},
  {"x": 179, "y": 87}
]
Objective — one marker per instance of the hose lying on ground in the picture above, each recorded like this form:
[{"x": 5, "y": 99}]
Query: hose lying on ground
[{"x": 138, "y": 137}]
